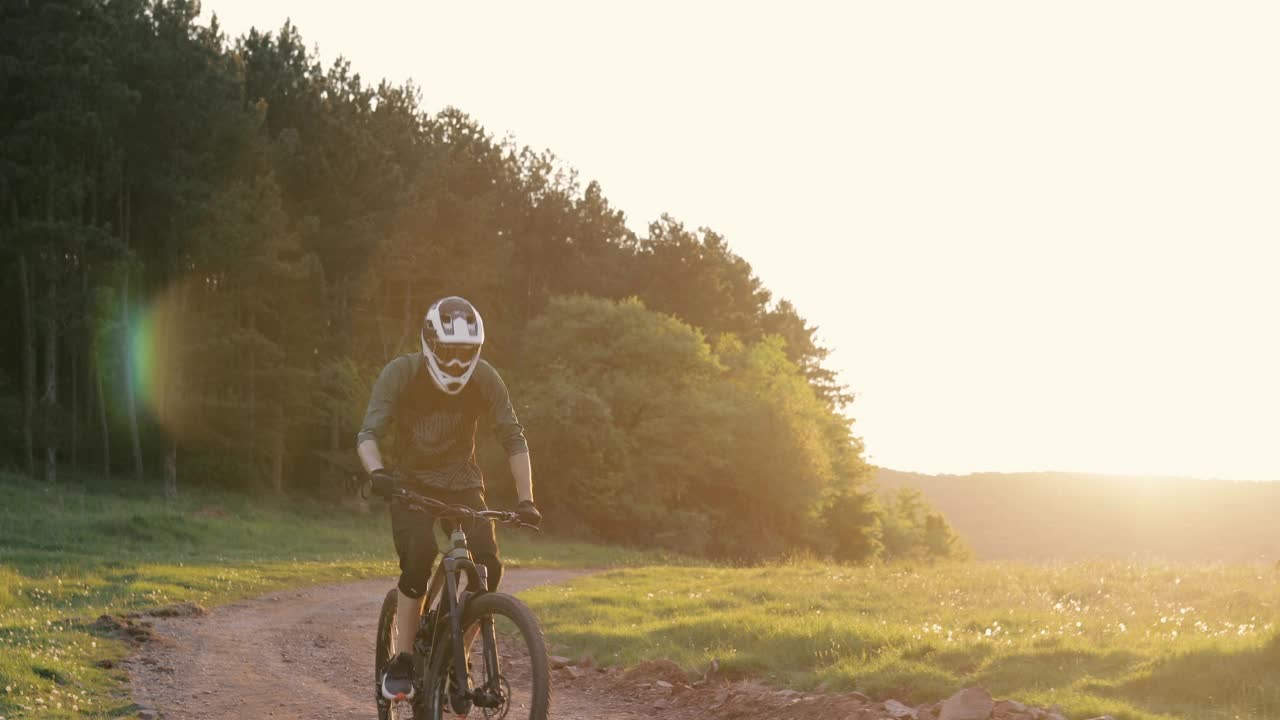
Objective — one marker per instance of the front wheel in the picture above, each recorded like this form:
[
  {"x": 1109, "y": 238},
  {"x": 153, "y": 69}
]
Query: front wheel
[{"x": 512, "y": 677}]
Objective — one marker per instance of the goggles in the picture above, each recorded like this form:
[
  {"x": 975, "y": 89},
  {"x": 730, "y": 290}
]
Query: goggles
[{"x": 454, "y": 359}]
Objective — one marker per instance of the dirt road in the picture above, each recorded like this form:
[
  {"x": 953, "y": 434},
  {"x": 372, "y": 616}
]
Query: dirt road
[
  {"x": 309, "y": 654},
  {"x": 304, "y": 654}
]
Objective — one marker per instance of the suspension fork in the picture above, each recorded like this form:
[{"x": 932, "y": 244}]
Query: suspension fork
[
  {"x": 489, "y": 639},
  {"x": 490, "y": 696},
  {"x": 459, "y": 698}
]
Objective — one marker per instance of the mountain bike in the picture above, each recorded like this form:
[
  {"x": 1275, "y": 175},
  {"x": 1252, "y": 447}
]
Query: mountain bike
[{"x": 458, "y": 599}]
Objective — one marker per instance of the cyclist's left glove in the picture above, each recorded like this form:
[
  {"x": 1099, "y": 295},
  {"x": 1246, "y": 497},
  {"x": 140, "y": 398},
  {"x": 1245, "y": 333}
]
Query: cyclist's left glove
[{"x": 528, "y": 513}]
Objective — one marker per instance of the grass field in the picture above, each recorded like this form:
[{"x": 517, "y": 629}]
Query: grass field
[
  {"x": 1138, "y": 642},
  {"x": 68, "y": 555},
  {"x": 1135, "y": 642}
]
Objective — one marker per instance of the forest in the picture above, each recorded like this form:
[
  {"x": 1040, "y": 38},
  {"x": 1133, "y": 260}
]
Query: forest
[{"x": 211, "y": 246}]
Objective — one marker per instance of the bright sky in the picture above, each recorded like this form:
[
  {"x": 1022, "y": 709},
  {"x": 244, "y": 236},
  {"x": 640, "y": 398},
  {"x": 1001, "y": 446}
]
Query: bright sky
[{"x": 1038, "y": 235}]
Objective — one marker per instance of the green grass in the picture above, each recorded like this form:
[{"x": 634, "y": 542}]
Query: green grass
[
  {"x": 69, "y": 554},
  {"x": 1135, "y": 642}
]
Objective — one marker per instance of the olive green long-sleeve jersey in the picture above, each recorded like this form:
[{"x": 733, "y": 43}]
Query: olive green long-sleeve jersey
[{"x": 435, "y": 433}]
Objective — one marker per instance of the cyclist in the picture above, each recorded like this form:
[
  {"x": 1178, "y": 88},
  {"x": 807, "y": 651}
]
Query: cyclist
[{"x": 434, "y": 400}]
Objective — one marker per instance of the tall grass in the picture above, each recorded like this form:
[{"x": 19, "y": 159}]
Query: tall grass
[{"x": 1138, "y": 642}]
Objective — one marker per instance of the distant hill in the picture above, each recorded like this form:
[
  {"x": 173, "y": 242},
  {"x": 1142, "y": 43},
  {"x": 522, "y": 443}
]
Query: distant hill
[{"x": 1067, "y": 516}]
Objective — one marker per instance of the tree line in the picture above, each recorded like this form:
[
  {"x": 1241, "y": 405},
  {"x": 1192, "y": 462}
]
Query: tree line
[{"x": 214, "y": 244}]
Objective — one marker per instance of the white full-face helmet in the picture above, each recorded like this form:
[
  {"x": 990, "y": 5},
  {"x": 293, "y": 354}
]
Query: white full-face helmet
[{"x": 452, "y": 333}]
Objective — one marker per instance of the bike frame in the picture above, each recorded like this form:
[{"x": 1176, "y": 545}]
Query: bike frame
[{"x": 443, "y": 592}]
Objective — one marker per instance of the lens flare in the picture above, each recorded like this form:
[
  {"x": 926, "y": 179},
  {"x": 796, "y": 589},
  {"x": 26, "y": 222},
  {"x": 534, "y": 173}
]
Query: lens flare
[
  {"x": 163, "y": 385},
  {"x": 142, "y": 357}
]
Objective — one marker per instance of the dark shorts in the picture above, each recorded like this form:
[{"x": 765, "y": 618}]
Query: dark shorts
[{"x": 416, "y": 545}]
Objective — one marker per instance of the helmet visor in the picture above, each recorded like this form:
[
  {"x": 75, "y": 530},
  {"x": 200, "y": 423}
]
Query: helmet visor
[{"x": 453, "y": 359}]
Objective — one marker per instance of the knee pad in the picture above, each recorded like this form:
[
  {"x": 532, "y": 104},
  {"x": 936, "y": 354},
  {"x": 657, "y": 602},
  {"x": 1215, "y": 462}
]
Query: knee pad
[
  {"x": 410, "y": 588},
  {"x": 491, "y": 564},
  {"x": 414, "y": 578}
]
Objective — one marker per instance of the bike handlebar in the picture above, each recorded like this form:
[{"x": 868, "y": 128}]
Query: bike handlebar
[{"x": 422, "y": 503}]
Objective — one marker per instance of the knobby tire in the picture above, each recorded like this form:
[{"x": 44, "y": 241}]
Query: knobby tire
[{"x": 530, "y": 634}]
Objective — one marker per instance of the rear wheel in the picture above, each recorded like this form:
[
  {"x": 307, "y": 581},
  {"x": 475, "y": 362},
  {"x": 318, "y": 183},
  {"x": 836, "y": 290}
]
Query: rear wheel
[
  {"x": 519, "y": 688},
  {"x": 387, "y": 646}
]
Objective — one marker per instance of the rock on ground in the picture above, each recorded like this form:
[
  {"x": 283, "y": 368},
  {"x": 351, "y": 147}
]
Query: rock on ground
[{"x": 972, "y": 703}]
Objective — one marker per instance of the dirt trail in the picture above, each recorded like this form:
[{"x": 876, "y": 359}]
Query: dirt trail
[
  {"x": 305, "y": 654},
  {"x": 309, "y": 654}
]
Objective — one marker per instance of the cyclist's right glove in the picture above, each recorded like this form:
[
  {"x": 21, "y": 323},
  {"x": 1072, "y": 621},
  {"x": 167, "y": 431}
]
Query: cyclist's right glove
[
  {"x": 384, "y": 483},
  {"x": 528, "y": 513}
]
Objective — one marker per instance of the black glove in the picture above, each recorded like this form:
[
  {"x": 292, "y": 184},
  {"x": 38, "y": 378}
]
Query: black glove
[
  {"x": 384, "y": 483},
  {"x": 528, "y": 513}
]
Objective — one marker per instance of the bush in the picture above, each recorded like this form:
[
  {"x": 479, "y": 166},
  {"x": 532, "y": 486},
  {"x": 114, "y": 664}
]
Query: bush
[
  {"x": 912, "y": 532},
  {"x": 654, "y": 438}
]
